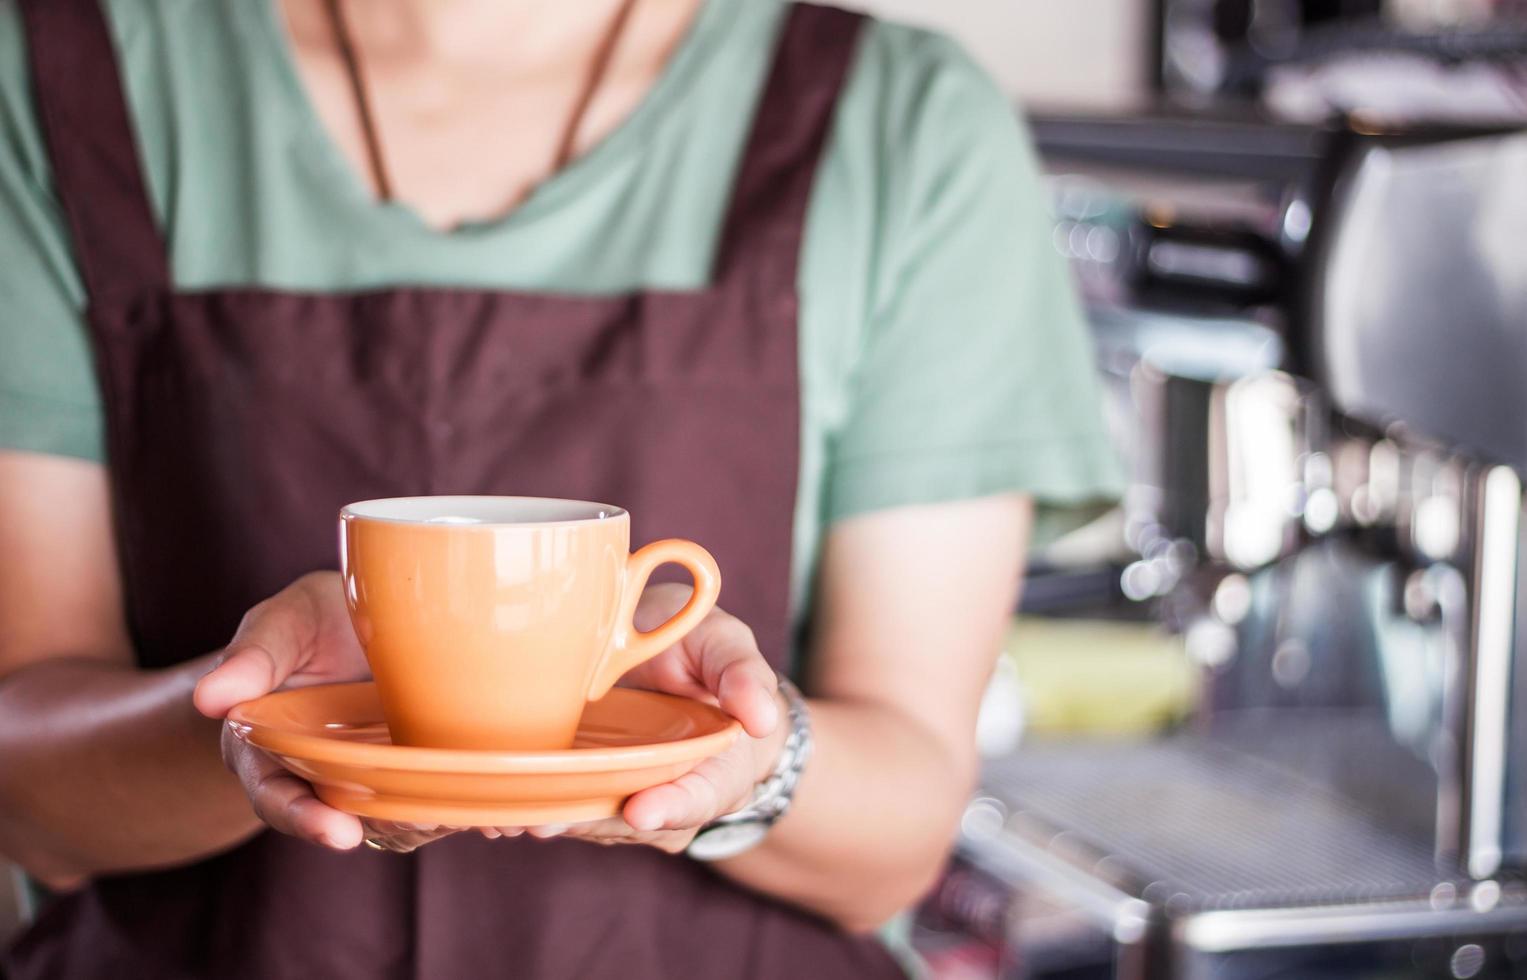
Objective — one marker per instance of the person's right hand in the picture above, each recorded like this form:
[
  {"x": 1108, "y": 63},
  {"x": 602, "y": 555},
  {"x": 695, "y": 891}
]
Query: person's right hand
[{"x": 297, "y": 637}]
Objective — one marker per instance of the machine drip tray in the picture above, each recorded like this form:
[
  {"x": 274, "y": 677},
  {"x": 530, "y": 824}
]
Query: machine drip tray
[
  {"x": 1194, "y": 845},
  {"x": 1202, "y": 826}
]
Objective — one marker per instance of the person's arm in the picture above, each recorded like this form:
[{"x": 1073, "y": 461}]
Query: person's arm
[
  {"x": 972, "y": 389},
  {"x": 912, "y": 607},
  {"x": 107, "y": 767},
  {"x": 103, "y": 766}
]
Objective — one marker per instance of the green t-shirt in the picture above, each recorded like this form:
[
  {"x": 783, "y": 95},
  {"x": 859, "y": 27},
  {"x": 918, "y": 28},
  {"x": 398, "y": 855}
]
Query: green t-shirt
[{"x": 941, "y": 352}]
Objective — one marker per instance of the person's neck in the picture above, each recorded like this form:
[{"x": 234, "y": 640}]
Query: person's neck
[{"x": 468, "y": 30}]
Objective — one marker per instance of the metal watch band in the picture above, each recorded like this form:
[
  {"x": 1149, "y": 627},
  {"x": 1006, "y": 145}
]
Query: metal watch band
[{"x": 771, "y": 798}]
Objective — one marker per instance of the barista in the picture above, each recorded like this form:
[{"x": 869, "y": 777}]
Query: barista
[{"x": 775, "y": 278}]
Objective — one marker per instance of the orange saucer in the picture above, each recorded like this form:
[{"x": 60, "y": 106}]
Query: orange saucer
[{"x": 334, "y": 737}]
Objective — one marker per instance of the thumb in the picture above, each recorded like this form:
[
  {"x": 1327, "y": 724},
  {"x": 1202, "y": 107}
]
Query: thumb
[
  {"x": 245, "y": 673},
  {"x": 273, "y": 642}
]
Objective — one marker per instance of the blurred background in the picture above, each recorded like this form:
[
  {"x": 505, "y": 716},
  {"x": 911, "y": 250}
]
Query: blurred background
[
  {"x": 1083, "y": 54},
  {"x": 1267, "y": 719}
]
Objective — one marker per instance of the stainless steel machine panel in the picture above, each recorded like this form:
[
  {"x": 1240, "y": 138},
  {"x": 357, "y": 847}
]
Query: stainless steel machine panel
[{"x": 1420, "y": 307}]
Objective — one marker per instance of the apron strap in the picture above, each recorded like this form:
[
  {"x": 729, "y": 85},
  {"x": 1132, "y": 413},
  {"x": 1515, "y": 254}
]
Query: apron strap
[
  {"x": 85, "y": 124},
  {"x": 767, "y": 213}
]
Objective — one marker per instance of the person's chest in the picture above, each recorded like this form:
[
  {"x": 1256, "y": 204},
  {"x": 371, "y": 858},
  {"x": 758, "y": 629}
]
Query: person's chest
[
  {"x": 460, "y": 115},
  {"x": 254, "y": 186},
  {"x": 254, "y": 189}
]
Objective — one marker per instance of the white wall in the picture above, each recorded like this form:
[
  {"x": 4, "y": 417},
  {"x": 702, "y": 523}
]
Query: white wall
[{"x": 1076, "y": 53}]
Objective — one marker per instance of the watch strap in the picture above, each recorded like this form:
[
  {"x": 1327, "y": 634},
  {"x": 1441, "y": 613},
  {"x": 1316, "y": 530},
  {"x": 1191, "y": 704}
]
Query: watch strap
[{"x": 771, "y": 798}]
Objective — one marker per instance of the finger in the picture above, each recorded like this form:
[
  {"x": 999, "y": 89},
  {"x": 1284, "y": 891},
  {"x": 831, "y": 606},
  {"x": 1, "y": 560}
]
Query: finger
[
  {"x": 391, "y": 828},
  {"x": 670, "y": 672},
  {"x": 246, "y": 673},
  {"x": 401, "y": 838},
  {"x": 269, "y": 646},
  {"x": 614, "y": 830},
  {"x": 61, "y": 884},
  {"x": 399, "y": 844},
  {"x": 607, "y": 830},
  {"x": 740, "y": 678},
  {"x": 749, "y": 694},
  {"x": 660, "y": 602},
  {"x": 547, "y": 831},
  {"x": 287, "y": 803},
  {"x": 712, "y": 788}
]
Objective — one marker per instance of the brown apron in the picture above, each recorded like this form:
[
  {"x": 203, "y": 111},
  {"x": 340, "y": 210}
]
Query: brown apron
[{"x": 240, "y": 420}]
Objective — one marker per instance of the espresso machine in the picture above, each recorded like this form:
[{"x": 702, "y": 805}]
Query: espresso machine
[{"x": 1315, "y": 339}]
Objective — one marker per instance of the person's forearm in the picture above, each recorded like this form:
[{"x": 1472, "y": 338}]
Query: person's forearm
[
  {"x": 109, "y": 768},
  {"x": 872, "y": 821}
]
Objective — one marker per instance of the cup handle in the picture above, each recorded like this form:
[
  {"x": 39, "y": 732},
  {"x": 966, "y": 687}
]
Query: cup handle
[{"x": 630, "y": 646}]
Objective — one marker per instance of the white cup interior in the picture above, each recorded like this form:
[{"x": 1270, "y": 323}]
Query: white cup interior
[{"x": 460, "y": 511}]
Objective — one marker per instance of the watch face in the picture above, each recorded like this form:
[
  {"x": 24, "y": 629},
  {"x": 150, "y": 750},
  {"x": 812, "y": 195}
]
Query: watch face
[{"x": 727, "y": 840}]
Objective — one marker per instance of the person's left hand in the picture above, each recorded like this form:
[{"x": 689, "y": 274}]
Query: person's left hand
[{"x": 718, "y": 662}]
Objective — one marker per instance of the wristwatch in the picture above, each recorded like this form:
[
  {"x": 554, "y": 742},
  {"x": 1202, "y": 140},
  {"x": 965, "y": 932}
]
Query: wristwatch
[{"x": 741, "y": 830}]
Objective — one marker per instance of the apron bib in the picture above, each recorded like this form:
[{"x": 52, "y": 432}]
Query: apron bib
[{"x": 240, "y": 420}]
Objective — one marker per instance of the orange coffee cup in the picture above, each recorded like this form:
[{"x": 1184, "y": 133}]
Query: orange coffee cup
[{"x": 490, "y": 621}]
